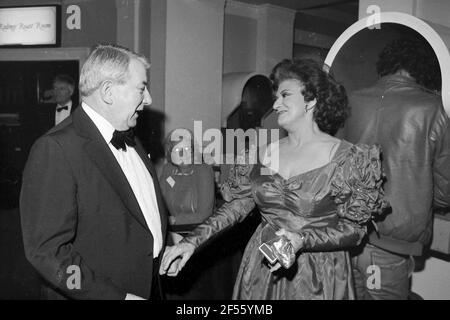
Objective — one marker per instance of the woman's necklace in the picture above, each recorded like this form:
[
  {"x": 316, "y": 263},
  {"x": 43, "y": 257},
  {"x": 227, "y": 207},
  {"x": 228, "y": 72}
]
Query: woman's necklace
[{"x": 183, "y": 170}]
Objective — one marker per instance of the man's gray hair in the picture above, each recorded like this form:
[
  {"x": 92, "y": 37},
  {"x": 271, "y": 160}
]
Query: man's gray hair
[{"x": 107, "y": 62}]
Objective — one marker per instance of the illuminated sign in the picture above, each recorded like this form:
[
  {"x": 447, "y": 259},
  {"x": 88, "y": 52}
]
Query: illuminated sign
[{"x": 30, "y": 26}]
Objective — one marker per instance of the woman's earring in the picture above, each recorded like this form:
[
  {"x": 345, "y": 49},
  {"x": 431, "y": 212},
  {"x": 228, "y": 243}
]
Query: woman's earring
[{"x": 306, "y": 107}]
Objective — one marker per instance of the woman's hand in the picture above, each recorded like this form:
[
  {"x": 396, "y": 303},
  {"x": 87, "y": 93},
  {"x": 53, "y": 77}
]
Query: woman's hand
[
  {"x": 296, "y": 242},
  {"x": 275, "y": 267},
  {"x": 295, "y": 239},
  {"x": 175, "y": 258}
]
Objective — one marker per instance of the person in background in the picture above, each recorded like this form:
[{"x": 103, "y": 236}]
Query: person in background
[
  {"x": 63, "y": 89},
  {"x": 403, "y": 113},
  {"x": 57, "y": 106},
  {"x": 187, "y": 186},
  {"x": 315, "y": 202}
]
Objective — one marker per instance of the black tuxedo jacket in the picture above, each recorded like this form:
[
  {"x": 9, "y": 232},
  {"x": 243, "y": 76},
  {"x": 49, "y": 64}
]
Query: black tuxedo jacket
[
  {"x": 46, "y": 117},
  {"x": 79, "y": 213}
]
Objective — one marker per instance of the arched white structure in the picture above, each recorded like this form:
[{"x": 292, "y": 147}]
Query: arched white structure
[{"x": 420, "y": 26}]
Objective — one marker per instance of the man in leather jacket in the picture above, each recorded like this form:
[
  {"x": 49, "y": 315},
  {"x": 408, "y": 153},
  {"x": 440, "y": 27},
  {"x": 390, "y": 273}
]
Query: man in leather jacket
[{"x": 403, "y": 113}]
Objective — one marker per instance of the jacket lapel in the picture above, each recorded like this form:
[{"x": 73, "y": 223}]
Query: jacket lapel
[
  {"x": 74, "y": 107},
  {"x": 101, "y": 155}
]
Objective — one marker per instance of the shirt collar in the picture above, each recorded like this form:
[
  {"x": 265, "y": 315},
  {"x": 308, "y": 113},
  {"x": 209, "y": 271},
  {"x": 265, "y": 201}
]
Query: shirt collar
[
  {"x": 103, "y": 125},
  {"x": 68, "y": 104},
  {"x": 397, "y": 79}
]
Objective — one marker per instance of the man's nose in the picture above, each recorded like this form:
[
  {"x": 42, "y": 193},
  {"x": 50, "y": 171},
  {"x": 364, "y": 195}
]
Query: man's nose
[{"x": 147, "y": 98}]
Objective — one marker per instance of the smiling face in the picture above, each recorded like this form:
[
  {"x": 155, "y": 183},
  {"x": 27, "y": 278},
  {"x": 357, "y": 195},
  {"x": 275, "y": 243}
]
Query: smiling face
[
  {"x": 130, "y": 97},
  {"x": 63, "y": 92},
  {"x": 290, "y": 103}
]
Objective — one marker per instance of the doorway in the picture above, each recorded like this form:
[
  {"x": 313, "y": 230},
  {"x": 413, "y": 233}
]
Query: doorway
[
  {"x": 26, "y": 75},
  {"x": 26, "y": 106}
]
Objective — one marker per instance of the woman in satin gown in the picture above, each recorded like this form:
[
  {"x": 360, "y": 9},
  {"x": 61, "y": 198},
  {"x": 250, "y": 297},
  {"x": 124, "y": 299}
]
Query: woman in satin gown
[{"x": 312, "y": 188}]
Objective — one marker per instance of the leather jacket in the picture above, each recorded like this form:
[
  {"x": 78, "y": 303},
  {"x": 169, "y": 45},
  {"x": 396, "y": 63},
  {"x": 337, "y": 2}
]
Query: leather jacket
[{"x": 410, "y": 125}]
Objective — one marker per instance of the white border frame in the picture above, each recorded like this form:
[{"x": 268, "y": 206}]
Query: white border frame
[{"x": 45, "y": 54}]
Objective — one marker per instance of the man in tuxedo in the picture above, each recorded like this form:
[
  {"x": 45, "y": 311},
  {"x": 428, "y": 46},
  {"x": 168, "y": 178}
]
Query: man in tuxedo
[
  {"x": 63, "y": 88},
  {"x": 93, "y": 218},
  {"x": 50, "y": 114}
]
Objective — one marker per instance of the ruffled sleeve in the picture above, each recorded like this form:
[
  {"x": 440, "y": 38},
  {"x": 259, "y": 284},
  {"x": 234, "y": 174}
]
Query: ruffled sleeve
[
  {"x": 238, "y": 182},
  {"x": 356, "y": 188},
  {"x": 240, "y": 204},
  {"x": 357, "y": 184}
]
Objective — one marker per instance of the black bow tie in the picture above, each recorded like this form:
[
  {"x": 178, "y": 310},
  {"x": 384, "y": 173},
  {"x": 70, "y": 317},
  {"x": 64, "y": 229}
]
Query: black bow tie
[
  {"x": 122, "y": 138},
  {"x": 62, "y": 108}
]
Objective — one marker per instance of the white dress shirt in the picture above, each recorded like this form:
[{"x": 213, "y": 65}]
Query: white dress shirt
[
  {"x": 137, "y": 175},
  {"x": 61, "y": 115}
]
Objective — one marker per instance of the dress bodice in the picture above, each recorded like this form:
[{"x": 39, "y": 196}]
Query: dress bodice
[{"x": 292, "y": 203}]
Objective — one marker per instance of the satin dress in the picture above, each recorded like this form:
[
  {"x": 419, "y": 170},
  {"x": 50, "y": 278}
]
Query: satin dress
[{"x": 329, "y": 207}]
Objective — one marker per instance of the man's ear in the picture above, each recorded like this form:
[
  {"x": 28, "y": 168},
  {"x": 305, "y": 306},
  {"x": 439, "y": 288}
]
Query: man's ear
[{"x": 106, "y": 91}]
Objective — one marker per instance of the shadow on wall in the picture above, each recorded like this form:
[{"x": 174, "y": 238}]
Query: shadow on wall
[
  {"x": 150, "y": 130},
  {"x": 246, "y": 97}
]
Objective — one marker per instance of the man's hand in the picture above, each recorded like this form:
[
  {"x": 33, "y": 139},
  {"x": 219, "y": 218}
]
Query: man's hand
[
  {"x": 131, "y": 296},
  {"x": 171, "y": 263},
  {"x": 175, "y": 237}
]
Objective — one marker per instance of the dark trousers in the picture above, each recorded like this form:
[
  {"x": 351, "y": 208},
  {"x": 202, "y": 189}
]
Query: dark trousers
[
  {"x": 382, "y": 275},
  {"x": 157, "y": 293}
]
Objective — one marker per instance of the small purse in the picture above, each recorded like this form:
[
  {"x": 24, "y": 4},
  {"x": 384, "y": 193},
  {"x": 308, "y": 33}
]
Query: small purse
[{"x": 276, "y": 248}]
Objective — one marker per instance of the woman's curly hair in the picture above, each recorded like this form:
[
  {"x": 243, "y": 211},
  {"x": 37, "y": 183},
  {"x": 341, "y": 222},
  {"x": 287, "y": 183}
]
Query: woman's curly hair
[
  {"x": 331, "y": 109},
  {"x": 413, "y": 55}
]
